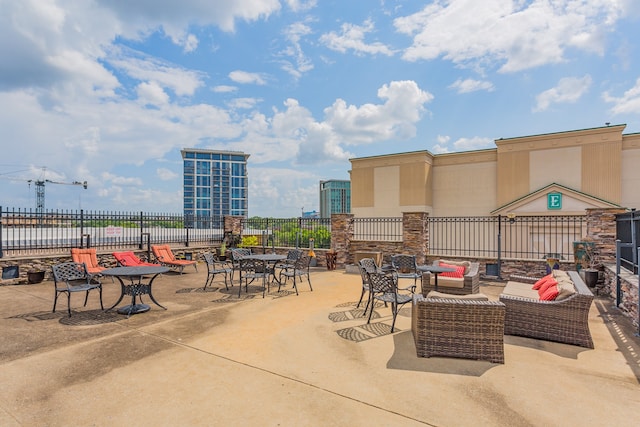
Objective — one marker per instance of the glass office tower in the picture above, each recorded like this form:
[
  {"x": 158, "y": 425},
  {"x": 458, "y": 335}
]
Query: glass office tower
[
  {"x": 215, "y": 184},
  {"x": 335, "y": 197}
]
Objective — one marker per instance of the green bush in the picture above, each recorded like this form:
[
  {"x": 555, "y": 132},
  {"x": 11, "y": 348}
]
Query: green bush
[{"x": 248, "y": 241}]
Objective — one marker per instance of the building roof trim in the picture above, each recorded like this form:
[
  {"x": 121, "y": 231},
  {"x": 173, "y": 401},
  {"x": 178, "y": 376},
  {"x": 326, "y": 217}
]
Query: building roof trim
[{"x": 579, "y": 195}]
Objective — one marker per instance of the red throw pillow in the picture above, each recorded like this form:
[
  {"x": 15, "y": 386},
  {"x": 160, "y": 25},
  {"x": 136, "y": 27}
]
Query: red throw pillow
[
  {"x": 459, "y": 273},
  {"x": 550, "y": 294},
  {"x": 546, "y": 285},
  {"x": 540, "y": 282}
]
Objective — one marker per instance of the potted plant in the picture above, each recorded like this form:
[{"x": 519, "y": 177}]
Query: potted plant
[
  {"x": 592, "y": 272},
  {"x": 222, "y": 251}
]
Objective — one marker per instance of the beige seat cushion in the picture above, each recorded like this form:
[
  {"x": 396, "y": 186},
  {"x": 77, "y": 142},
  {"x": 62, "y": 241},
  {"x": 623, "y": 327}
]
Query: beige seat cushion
[
  {"x": 447, "y": 282},
  {"x": 566, "y": 288},
  {"x": 442, "y": 295},
  {"x": 519, "y": 289}
]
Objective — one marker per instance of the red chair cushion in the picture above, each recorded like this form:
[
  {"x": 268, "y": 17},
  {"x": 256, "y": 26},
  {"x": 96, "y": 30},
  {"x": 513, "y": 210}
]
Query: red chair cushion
[{"x": 459, "y": 273}]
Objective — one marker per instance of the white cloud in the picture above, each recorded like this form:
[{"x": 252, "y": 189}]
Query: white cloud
[
  {"x": 142, "y": 67},
  {"x": 568, "y": 90},
  {"x": 151, "y": 93},
  {"x": 462, "y": 144},
  {"x": 301, "y": 5},
  {"x": 121, "y": 180},
  {"x": 471, "y": 85},
  {"x": 395, "y": 118},
  {"x": 166, "y": 174},
  {"x": 628, "y": 103},
  {"x": 243, "y": 103},
  {"x": 516, "y": 35},
  {"x": 245, "y": 77},
  {"x": 224, "y": 89},
  {"x": 301, "y": 63},
  {"x": 475, "y": 143},
  {"x": 352, "y": 38}
]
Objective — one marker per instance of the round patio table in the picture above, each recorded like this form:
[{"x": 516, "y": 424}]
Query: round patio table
[{"x": 136, "y": 287}]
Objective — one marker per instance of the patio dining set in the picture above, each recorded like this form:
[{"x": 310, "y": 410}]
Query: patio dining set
[{"x": 136, "y": 276}]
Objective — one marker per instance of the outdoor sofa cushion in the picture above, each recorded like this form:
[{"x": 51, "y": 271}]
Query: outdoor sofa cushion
[{"x": 472, "y": 297}]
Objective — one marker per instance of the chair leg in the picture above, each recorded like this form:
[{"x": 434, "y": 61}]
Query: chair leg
[
  {"x": 69, "y": 303},
  {"x": 309, "y": 280},
  {"x": 100, "y": 292},
  {"x": 394, "y": 312},
  {"x": 86, "y": 298},
  {"x": 373, "y": 302},
  {"x": 360, "y": 300}
]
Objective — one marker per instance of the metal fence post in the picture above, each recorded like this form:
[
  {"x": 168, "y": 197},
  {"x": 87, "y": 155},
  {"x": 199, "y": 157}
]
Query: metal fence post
[
  {"x": 1, "y": 231},
  {"x": 499, "y": 246}
]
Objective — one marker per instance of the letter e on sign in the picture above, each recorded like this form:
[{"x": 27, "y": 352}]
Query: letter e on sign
[{"x": 554, "y": 201}]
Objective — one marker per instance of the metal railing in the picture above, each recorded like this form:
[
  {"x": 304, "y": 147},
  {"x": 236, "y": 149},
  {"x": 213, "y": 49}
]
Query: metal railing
[
  {"x": 522, "y": 237},
  {"x": 289, "y": 232},
  {"x": 377, "y": 229},
  {"x": 26, "y": 231}
]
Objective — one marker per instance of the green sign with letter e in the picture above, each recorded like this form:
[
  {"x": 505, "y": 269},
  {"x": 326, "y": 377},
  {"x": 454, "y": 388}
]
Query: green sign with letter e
[{"x": 554, "y": 201}]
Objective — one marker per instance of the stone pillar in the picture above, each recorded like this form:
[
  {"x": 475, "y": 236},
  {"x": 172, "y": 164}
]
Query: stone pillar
[
  {"x": 233, "y": 227},
  {"x": 341, "y": 236},
  {"x": 415, "y": 235},
  {"x": 601, "y": 228}
]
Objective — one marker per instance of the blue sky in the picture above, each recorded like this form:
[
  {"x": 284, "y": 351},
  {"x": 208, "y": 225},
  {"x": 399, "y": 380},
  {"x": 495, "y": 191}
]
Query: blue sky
[{"x": 109, "y": 92}]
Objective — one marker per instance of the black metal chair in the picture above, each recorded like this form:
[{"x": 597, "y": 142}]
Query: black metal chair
[
  {"x": 299, "y": 268},
  {"x": 72, "y": 277},
  {"x": 216, "y": 266},
  {"x": 250, "y": 270},
  {"x": 289, "y": 262},
  {"x": 407, "y": 268},
  {"x": 384, "y": 287},
  {"x": 366, "y": 265},
  {"x": 236, "y": 254}
]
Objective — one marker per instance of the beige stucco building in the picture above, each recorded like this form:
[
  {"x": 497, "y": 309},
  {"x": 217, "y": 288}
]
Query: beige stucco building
[{"x": 551, "y": 174}]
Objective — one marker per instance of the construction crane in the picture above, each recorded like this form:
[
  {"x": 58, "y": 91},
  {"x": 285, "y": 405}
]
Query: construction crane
[{"x": 39, "y": 184}]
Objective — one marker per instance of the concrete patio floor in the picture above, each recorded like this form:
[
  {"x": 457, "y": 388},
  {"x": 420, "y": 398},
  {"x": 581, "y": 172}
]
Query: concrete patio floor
[{"x": 309, "y": 360}]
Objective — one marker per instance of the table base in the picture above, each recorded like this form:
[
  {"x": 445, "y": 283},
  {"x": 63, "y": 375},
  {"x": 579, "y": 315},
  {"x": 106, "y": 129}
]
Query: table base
[{"x": 134, "y": 309}]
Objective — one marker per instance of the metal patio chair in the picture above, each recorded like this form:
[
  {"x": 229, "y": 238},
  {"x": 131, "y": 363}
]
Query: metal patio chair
[
  {"x": 384, "y": 287},
  {"x": 214, "y": 267},
  {"x": 299, "y": 268},
  {"x": 70, "y": 277}
]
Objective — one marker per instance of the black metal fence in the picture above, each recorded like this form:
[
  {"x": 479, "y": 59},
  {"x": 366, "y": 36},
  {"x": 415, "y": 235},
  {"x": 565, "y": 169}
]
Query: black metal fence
[
  {"x": 627, "y": 234},
  {"x": 26, "y": 231},
  {"x": 522, "y": 237},
  {"x": 288, "y": 232}
]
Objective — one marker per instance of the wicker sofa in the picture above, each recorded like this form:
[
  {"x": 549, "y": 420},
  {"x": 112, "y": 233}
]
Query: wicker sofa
[
  {"x": 564, "y": 320},
  {"x": 456, "y": 327},
  {"x": 469, "y": 284}
]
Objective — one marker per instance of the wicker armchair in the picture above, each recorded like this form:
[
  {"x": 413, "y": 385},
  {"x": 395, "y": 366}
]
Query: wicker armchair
[
  {"x": 469, "y": 329},
  {"x": 565, "y": 321},
  {"x": 470, "y": 282}
]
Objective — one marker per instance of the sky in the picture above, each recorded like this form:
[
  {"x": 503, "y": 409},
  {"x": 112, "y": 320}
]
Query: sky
[{"x": 110, "y": 91}]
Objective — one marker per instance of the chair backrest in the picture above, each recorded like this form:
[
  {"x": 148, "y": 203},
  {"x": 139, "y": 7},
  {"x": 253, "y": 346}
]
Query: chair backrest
[
  {"x": 238, "y": 253},
  {"x": 404, "y": 263},
  {"x": 302, "y": 263},
  {"x": 294, "y": 254},
  {"x": 163, "y": 252},
  {"x": 366, "y": 265},
  {"x": 86, "y": 256},
  {"x": 383, "y": 282},
  {"x": 69, "y": 271},
  {"x": 127, "y": 259}
]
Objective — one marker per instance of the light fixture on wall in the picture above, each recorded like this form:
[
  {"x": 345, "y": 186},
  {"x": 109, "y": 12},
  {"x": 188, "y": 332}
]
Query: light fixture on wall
[{"x": 512, "y": 217}]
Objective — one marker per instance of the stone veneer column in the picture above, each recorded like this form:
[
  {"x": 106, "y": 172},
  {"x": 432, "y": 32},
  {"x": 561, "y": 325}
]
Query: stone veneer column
[
  {"x": 233, "y": 224},
  {"x": 415, "y": 235},
  {"x": 601, "y": 228},
  {"x": 341, "y": 236}
]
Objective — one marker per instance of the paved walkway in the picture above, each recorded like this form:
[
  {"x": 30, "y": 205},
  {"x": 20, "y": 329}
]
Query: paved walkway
[{"x": 309, "y": 360}]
